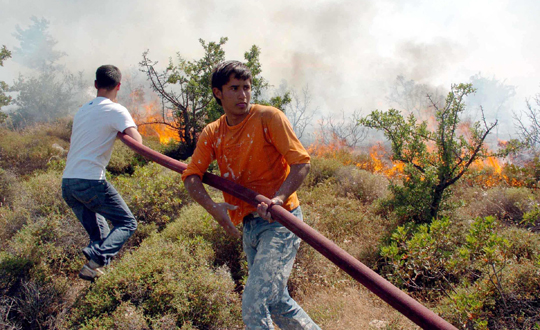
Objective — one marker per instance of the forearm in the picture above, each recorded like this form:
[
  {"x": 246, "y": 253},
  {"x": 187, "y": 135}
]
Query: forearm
[
  {"x": 196, "y": 190},
  {"x": 293, "y": 181},
  {"x": 132, "y": 132}
]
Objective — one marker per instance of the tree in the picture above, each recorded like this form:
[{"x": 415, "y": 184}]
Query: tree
[
  {"x": 52, "y": 92},
  {"x": 36, "y": 46},
  {"x": 529, "y": 128},
  {"x": 299, "y": 112},
  {"x": 345, "y": 130},
  {"x": 412, "y": 97},
  {"x": 434, "y": 159},
  {"x": 45, "y": 97},
  {"x": 4, "y": 99},
  {"x": 495, "y": 95},
  {"x": 186, "y": 93}
]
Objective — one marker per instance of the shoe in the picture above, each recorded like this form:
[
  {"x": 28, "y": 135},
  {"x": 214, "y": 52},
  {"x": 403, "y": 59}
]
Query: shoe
[{"x": 90, "y": 271}]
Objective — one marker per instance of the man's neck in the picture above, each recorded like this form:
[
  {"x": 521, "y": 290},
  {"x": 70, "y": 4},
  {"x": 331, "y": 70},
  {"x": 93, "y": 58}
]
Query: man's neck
[
  {"x": 111, "y": 95},
  {"x": 235, "y": 119}
]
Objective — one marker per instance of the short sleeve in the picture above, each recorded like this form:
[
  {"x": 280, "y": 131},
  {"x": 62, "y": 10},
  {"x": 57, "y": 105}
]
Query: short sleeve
[
  {"x": 284, "y": 139},
  {"x": 120, "y": 118},
  {"x": 202, "y": 156}
]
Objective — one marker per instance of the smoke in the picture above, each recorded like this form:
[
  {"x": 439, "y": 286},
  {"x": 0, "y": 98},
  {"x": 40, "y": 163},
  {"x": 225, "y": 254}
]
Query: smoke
[{"x": 348, "y": 52}]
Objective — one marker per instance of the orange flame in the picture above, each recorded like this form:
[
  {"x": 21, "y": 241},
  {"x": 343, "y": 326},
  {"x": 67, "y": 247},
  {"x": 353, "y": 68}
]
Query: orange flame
[
  {"x": 488, "y": 172},
  {"x": 150, "y": 114}
]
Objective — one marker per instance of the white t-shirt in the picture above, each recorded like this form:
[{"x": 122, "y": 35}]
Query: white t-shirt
[{"x": 94, "y": 130}]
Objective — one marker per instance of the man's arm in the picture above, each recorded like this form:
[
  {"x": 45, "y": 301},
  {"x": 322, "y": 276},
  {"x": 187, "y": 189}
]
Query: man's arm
[
  {"x": 197, "y": 191},
  {"x": 132, "y": 132},
  {"x": 293, "y": 181}
]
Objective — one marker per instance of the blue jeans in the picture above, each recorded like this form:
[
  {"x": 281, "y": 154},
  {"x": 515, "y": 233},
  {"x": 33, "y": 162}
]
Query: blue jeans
[
  {"x": 270, "y": 250},
  {"x": 93, "y": 201}
]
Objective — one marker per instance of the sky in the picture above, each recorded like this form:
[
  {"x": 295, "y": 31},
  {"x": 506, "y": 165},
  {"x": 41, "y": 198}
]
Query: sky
[{"x": 349, "y": 53}]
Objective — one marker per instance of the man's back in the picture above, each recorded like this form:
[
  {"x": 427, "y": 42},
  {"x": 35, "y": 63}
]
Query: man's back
[{"x": 94, "y": 130}]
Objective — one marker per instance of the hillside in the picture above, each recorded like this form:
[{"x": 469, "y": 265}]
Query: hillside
[{"x": 478, "y": 265}]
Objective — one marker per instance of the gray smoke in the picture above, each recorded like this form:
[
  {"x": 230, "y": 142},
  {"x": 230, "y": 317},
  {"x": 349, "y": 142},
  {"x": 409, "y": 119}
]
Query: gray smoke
[{"x": 348, "y": 52}]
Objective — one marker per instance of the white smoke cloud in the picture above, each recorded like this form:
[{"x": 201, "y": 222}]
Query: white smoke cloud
[{"x": 349, "y": 52}]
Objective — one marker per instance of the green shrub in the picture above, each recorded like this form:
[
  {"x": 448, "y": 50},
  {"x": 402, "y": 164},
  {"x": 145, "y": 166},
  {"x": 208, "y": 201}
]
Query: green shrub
[
  {"x": 508, "y": 204},
  {"x": 9, "y": 187},
  {"x": 44, "y": 194},
  {"x": 197, "y": 223},
  {"x": 124, "y": 160},
  {"x": 13, "y": 270},
  {"x": 348, "y": 223},
  {"x": 27, "y": 151},
  {"x": 168, "y": 276},
  {"x": 508, "y": 301},
  {"x": 361, "y": 184},
  {"x": 524, "y": 244},
  {"x": 481, "y": 273},
  {"x": 420, "y": 257},
  {"x": 11, "y": 221},
  {"x": 153, "y": 193},
  {"x": 412, "y": 199},
  {"x": 322, "y": 169}
]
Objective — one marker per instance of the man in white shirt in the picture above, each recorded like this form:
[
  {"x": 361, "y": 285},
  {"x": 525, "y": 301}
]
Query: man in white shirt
[{"x": 84, "y": 187}]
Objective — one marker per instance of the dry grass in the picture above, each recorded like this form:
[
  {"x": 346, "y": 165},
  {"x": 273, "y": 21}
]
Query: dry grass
[{"x": 353, "y": 308}]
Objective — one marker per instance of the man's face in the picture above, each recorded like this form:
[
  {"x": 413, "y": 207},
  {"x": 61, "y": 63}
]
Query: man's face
[{"x": 235, "y": 96}]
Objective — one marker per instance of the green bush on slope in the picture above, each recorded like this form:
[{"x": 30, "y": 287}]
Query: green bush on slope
[
  {"x": 478, "y": 272},
  {"x": 171, "y": 274},
  {"x": 154, "y": 193}
]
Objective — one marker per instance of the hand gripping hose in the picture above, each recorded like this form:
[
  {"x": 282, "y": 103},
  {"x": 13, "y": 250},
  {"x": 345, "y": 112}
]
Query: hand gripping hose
[{"x": 396, "y": 298}]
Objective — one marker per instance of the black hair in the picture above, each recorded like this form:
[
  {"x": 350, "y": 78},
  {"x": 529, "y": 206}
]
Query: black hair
[
  {"x": 223, "y": 71},
  {"x": 108, "y": 77}
]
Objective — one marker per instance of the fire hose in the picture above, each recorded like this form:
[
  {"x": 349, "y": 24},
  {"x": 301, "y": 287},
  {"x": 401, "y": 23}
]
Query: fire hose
[{"x": 412, "y": 309}]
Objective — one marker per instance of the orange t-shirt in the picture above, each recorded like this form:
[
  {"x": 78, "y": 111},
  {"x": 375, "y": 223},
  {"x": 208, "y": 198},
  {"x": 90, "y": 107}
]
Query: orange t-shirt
[{"x": 255, "y": 154}]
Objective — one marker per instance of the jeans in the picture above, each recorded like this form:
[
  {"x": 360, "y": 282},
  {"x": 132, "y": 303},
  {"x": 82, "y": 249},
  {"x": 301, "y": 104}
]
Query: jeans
[
  {"x": 270, "y": 250},
  {"x": 93, "y": 201}
]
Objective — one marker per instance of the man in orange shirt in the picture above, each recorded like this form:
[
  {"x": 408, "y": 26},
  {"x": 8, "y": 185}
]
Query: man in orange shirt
[{"x": 254, "y": 146}]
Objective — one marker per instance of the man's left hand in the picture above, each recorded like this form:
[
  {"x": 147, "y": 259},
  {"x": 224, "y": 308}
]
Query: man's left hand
[{"x": 263, "y": 209}]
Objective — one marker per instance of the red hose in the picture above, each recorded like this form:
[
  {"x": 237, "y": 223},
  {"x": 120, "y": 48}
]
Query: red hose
[{"x": 396, "y": 298}]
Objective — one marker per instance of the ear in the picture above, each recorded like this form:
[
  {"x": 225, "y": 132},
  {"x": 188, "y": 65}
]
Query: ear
[
  {"x": 118, "y": 86},
  {"x": 95, "y": 84},
  {"x": 217, "y": 92}
]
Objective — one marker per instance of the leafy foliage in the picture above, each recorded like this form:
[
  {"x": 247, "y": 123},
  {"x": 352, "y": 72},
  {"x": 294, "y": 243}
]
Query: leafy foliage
[
  {"x": 46, "y": 97},
  {"x": 4, "y": 99},
  {"x": 435, "y": 158},
  {"x": 186, "y": 92},
  {"x": 469, "y": 267},
  {"x": 154, "y": 193},
  {"x": 170, "y": 275}
]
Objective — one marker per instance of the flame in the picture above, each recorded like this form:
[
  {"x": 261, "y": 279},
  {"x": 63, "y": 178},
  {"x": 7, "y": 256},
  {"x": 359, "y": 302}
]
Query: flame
[
  {"x": 488, "y": 172},
  {"x": 149, "y": 113}
]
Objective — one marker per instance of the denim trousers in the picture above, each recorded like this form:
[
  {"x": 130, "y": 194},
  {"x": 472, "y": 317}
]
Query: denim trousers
[
  {"x": 270, "y": 250},
  {"x": 94, "y": 202}
]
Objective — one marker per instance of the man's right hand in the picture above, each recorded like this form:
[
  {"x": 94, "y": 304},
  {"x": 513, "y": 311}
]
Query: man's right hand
[{"x": 219, "y": 212}]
